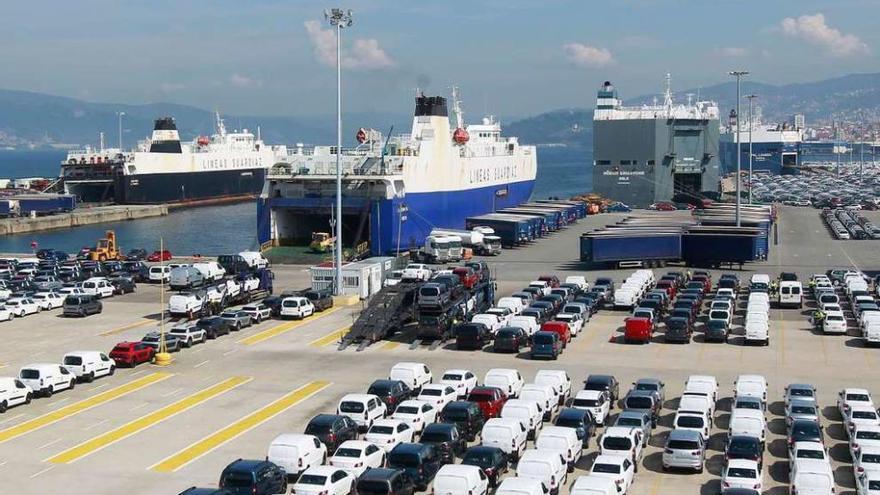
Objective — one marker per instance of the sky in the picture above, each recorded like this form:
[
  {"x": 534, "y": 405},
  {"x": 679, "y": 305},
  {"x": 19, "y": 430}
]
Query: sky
[{"x": 509, "y": 57}]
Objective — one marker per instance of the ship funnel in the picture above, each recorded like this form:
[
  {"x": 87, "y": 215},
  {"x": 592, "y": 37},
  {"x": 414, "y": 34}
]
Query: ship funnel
[{"x": 165, "y": 138}]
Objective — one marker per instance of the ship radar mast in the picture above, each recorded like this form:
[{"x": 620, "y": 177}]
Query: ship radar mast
[
  {"x": 460, "y": 136},
  {"x": 221, "y": 127},
  {"x": 667, "y": 96}
]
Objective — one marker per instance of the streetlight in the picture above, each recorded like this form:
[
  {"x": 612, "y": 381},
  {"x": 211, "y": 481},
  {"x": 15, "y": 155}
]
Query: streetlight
[
  {"x": 119, "y": 118},
  {"x": 751, "y": 124},
  {"x": 339, "y": 19},
  {"x": 738, "y": 74}
]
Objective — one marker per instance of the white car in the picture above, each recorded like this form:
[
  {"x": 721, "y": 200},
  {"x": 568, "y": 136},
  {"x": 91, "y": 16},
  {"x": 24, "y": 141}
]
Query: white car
[
  {"x": 623, "y": 441},
  {"x": 835, "y": 322},
  {"x": 437, "y": 394},
  {"x": 620, "y": 470},
  {"x": 258, "y": 312},
  {"x": 414, "y": 375},
  {"x": 463, "y": 381},
  {"x": 356, "y": 456},
  {"x": 868, "y": 459},
  {"x": 547, "y": 466},
  {"x": 807, "y": 452},
  {"x": 88, "y": 365},
  {"x": 98, "y": 286},
  {"x": 562, "y": 440},
  {"x": 416, "y": 271},
  {"x": 13, "y": 392},
  {"x": 858, "y": 416},
  {"x": 296, "y": 307},
  {"x": 508, "y": 434},
  {"x": 521, "y": 486},
  {"x": 527, "y": 412},
  {"x": 595, "y": 401},
  {"x": 189, "y": 334},
  {"x": 508, "y": 380},
  {"x": 71, "y": 291},
  {"x": 868, "y": 483},
  {"x": 849, "y": 397},
  {"x": 6, "y": 314},
  {"x": 747, "y": 422},
  {"x": 742, "y": 473},
  {"x": 692, "y": 420},
  {"x": 705, "y": 385},
  {"x": 575, "y": 322},
  {"x": 415, "y": 413},
  {"x": 363, "y": 409},
  {"x": 818, "y": 482},
  {"x": 48, "y": 300},
  {"x": 865, "y": 436},
  {"x": 458, "y": 479},
  {"x": 504, "y": 315},
  {"x": 545, "y": 395},
  {"x": 387, "y": 433},
  {"x": 22, "y": 306},
  {"x": 324, "y": 480}
]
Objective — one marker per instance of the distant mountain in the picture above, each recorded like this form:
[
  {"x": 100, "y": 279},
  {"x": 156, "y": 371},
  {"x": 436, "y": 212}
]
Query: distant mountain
[
  {"x": 45, "y": 119},
  {"x": 855, "y": 96}
]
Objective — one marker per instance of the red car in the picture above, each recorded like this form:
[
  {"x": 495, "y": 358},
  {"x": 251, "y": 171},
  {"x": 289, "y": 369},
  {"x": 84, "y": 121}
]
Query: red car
[
  {"x": 552, "y": 280},
  {"x": 669, "y": 287},
  {"x": 467, "y": 275},
  {"x": 559, "y": 327},
  {"x": 638, "y": 330},
  {"x": 490, "y": 400},
  {"x": 705, "y": 280},
  {"x": 132, "y": 353},
  {"x": 159, "y": 256},
  {"x": 663, "y": 206}
]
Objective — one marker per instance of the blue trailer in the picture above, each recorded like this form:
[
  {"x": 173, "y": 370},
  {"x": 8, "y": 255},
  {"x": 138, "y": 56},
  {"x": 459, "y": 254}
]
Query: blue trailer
[
  {"x": 45, "y": 204},
  {"x": 654, "y": 247},
  {"x": 512, "y": 232},
  {"x": 552, "y": 219},
  {"x": 579, "y": 207},
  {"x": 537, "y": 223},
  {"x": 713, "y": 249},
  {"x": 569, "y": 212}
]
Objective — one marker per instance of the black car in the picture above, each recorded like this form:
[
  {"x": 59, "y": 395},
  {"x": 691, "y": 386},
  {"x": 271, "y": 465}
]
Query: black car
[
  {"x": 253, "y": 477},
  {"x": 136, "y": 255},
  {"x": 745, "y": 447},
  {"x": 384, "y": 481},
  {"x": 466, "y": 416},
  {"x": 510, "y": 339},
  {"x": 683, "y": 312},
  {"x": 606, "y": 383},
  {"x": 420, "y": 461},
  {"x": 390, "y": 392},
  {"x": 446, "y": 439},
  {"x": 539, "y": 314},
  {"x": 274, "y": 304},
  {"x": 137, "y": 270},
  {"x": 580, "y": 420},
  {"x": 716, "y": 331},
  {"x": 321, "y": 300},
  {"x": 492, "y": 460},
  {"x": 678, "y": 330},
  {"x": 471, "y": 336},
  {"x": 205, "y": 491},
  {"x": 214, "y": 326},
  {"x": 590, "y": 300},
  {"x": 332, "y": 430},
  {"x": 122, "y": 285},
  {"x": 804, "y": 430},
  {"x": 554, "y": 299},
  {"x": 548, "y": 307},
  {"x": 788, "y": 277}
]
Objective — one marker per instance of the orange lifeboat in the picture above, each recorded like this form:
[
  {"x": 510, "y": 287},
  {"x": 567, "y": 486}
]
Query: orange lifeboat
[
  {"x": 203, "y": 141},
  {"x": 361, "y": 135},
  {"x": 460, "y": 136}
]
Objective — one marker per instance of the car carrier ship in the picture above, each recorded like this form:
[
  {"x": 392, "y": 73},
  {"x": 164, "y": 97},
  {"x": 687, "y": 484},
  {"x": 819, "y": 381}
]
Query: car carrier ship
[
  {"x": 163, "y": 169},
  {"x": 396, "y": 190}
]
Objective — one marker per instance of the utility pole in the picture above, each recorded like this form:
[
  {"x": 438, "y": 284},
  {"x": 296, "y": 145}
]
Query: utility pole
[
  {"x": 738, "y": 74},
  {"x": 339, "y": 19},
  {"x": 119, "y": 119},
  {"x": 751, "y": 124}
]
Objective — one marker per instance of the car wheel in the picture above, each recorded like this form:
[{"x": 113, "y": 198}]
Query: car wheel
[
  {"x": 28, "y": 398},
  {"x": 11, "y": 316},
  {"x": 3, "y": 407},
  {"x": 237, "y": 327},
  {"x": 72, "y": 384},
  {"x": 49, "y": 391},
  {"x": 90, "y": 377},
  {"x": 112, "y": 370}
]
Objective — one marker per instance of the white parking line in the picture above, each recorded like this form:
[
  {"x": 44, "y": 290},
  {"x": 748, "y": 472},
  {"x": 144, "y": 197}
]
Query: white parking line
[
  {"x": 230, "y": 352},
  {"x": 175, "y": 391},
  {"x": 13, "y": 418},
  {"x": 202, "y": 363},
  {"x": 97, "y": 387},
  {"x": 53, "y": 442},
  {"x": 136, "y": 373},
  {"x": 58, "y": 401},
  {"x": 43, "y": 471},
  {"x": 135, "y": 408},
  {"x": 99, "y": 423},
  {"x": 200, "y": 349}
]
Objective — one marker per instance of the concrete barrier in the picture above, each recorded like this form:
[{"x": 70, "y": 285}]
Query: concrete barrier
[{"x": 83, "y": 216}]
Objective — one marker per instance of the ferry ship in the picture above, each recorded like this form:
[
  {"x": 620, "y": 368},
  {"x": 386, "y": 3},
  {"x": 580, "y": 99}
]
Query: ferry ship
[
  {"x": 396, "y": 190},
  {"x": 163, "y": 169},
  {"x": 776, "y": 147}
]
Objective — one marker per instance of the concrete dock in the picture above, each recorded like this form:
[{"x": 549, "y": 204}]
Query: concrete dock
[{"x": 81, "y": 216}]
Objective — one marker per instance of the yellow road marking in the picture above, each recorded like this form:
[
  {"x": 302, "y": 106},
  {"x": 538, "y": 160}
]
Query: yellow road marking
[
  {"x": 390, "y": 346},
  {"x": 78, "y": 407},
  {"x": 330, "y": 338},
  {"x": 252, "y": 420},
  {"x": 283, "y": 328},
  {"x": 106, "y": 439},
  {"x": 126, "y": 327}
]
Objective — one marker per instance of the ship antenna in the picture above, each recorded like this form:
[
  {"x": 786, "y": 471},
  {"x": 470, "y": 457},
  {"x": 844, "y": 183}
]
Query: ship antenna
[
  {"x": 667, "y": 97},
  {"x": 456, "y": 108},
  {"x": 221, "y": 127}
]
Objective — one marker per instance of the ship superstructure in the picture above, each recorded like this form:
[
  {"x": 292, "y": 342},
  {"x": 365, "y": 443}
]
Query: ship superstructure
[
  {"x": 776, "y": 147},
  {"x": 396, "y": 190}
]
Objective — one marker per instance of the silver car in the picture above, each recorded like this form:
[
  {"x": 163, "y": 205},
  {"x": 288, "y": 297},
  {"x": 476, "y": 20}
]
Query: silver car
[
  {"x": 655, "y": 385},
  {"x": 636, "y": 419},
  {"x": 236, "y": 319},
  {"x": 801, "y": 409},
  {"x": 684, "y": 449},
  {"x": 800, "y": 391}
]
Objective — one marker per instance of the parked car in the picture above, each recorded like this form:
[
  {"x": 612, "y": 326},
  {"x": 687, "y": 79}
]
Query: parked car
[
  {"x": 214, "y": 326},
  {"x": 390, "y": 392},
  {"x": 471, "y": 336},
  {"x": 13, "y": 392},
  {"x": 420, "y": 461},
  {"x": 88, "y": 365},
  {"x": 492, "y": 460},
  {"x": 253, "y": 477},
  {"x": 510, "y": 339},
  {"x": 153, "y": 339},
  {"x": 466, "y": 416},
  {"x": 357, "y": 457},
  {"x": 386, "y": 481},
  {"x": 321, "y": 300},
  {"x": 638, "y": 330},
  {"x": 332, "y": 430},
  {"x": 490, "y": 400},
  {"x": 132, "y": 353},
  {"x": 236, "y": 319},
  {"x": 446, "y": 439},
  {"x": 47, "y": 378},
  {"x": 156, "y": 256}
]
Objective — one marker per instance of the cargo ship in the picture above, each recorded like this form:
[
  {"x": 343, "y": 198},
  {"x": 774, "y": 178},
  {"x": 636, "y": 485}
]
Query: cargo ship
[
  {"x": 397, "y": 189},
  {"x": 163, "y": 169},
  {"x": 776, "y": 147}
]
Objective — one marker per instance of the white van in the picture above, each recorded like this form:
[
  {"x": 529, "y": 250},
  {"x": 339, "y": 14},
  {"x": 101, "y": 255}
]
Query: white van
[
  {"x": 527, "y": 412},
  {"x": 529, "y": 324},
  {"x": 625, "y": 298},
  {"x": 748, "y": 422},
  {"x": 414, "y": 375},
  {"x": 578, "y": 280},
  {"x": 751, "y": 386},
  {"x": 507, "y": 434},
  {"x": 296, "y": 452},
  {"x": 541, "y": 285},
  {"x": 705, "y": 385},
  {"x": 88, "y": 365},
  {"x": 757, "y": 331},
  {"x": 296, "y": 307},
  {"x": 593, "y": 485},
  {"x": 623, "y": 441},
  {"x": 558, "y": 379},
  {"x": 98, "y": 286},
  {"x": 13, "y": 392},
  {"x": 760, "y": 282},
  {"x": 508, "y": 380},
  {"x": 563, "y": 441},
  {"x": 363, "y": 409},
  {"x": 548, "y": 467},
  {"x": 492, "y": 322},
  {"x": 254, "y": 259},
  {"x": 460, "y": 479},
  {"x": 514, "y": 304},
  {"x": 210, "y": 270},
  {"x": 545, "y": 395},
  {"x": 159, "y": 274},
  {"x": 791, "y": 294},
  {"x": 46, "y": 378},
  {"x": 521, "y": 486}
]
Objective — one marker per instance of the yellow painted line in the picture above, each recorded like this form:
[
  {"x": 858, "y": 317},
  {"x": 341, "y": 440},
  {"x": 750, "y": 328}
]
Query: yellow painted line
[
  {"x": 252, "y": 420},
  {"x": 330, "y": 338},
  {"x": 390, "y": 346},
  {"x": 127, "y": 327},
  {"x": 106, "y": 439},
  {"x": 83, "y": 405},
  {"x": 283, "y": 328}
]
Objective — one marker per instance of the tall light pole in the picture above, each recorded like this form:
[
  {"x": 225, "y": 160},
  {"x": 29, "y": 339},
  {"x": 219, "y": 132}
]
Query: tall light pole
[
  {"x": 738, "y": 74},
  {"x": 119, "y": 119},
  {"x": 339, "y": 19},
  {"x": 751, "y": 124}
]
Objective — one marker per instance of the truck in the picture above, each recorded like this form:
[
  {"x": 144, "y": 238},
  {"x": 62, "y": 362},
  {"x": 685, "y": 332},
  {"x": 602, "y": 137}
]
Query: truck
[
  {"x": 510, "y": 231},
  {"x": 621, "y": 245},
  {"x": 9, "y": 208},
  {"x": 436, "y": 249},
  {"x": 481, "y": 244}
]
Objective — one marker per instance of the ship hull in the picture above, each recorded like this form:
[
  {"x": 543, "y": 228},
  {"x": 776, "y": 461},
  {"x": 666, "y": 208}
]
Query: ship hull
[
  {"x": 188, "y": 187},
  {"x": 285, "y": 220},
  {"x": 92, "y": 192}
]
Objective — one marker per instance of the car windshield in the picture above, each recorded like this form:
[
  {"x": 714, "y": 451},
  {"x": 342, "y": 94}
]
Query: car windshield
[
  {"x": 800, "y": 392},
  {"x": 367, "y": 487},
  {"x": 455, "y": 414},
  {"x": 638, "y": 403},
  {"x": 227, "y": 315},
  {"x": 868, "y": 458},
  {"x": 803, "y": 410},
  {"x": 805, "y": 429},
  {"x": 434, "y": 437},
  {"x": 348, "y": 452},
  {"x": 741, "y": 446},
  {"x": 811, "y": 454},
  {"x": 606, "y": 468},
  {"x": 864, "y": 415},
  {"x": 29, "y": 374},
  {"x": 407, "y": 410},
  {"x": 569, "y": 422},
  {"x": 689, "y": 422},
  {"x": 747, "y": 404},
  {"x": 857, "y": 398},
  {"x": 476, "y": 459},
  {"x": 404, "y": 460},
  {"x": 120, "y": 348},
  {"x": 682, "y": 445},
  {"x": 585, "y": 402},
  {"x": 478, "y": 398},
  {"x": 543, "y": 339},
  {"x": 73, "y": 360},
  {"x": 616, "y": 443},
  {"x": 452, "y": 378},
  {"x": 868, "y": 435},
  {"x": 351, "y": 407},
  {"x": 433, "y": 392},
  {"x": 740, "y": 473},
  {"x": 628, "y": 422},
  {"x": 238, "y": 480},
  {"x": 311, "y": 479},
  {"x": 381, "y": 430}
]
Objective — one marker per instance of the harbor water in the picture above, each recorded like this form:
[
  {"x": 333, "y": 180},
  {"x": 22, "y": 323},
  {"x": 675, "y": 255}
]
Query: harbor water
[{"x": 212, "y": 230}]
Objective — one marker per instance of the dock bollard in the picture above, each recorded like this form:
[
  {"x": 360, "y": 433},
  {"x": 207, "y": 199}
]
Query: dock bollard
[{"x": 162, "y": 359}]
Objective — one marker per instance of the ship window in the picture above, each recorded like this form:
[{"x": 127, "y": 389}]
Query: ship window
[
  {"x": 650, "y": 162},
  {"x": 603, "y": 162},
  {"x": 628, "y": 162}
]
